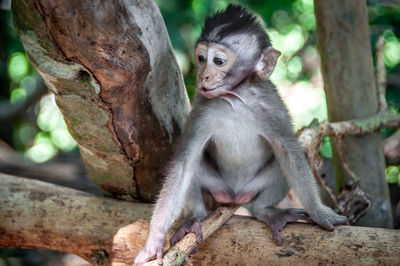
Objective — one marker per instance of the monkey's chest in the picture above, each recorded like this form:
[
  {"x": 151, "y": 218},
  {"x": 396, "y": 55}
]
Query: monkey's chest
[{"x": 238, "y": 151}]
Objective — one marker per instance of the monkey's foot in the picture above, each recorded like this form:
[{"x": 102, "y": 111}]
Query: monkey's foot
[
  {"x": 327, "y": 218},
  {"x": 278, "y": 218},
  {"x": 189, "y": 226}
]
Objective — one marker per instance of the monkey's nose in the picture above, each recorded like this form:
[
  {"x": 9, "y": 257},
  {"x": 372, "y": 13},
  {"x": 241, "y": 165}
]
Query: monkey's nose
[{"x": 205, "y": 77}]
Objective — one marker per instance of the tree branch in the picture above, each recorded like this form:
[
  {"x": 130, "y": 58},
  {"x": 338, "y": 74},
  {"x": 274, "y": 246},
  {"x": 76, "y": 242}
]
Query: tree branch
[
  {"x": 35, "y": 214},
  {"x": 104, "y": 231},
  {"x": 357, "y": 127},
  {"x": 123, "y": 89},
  {"x": 311, "y": 138}
]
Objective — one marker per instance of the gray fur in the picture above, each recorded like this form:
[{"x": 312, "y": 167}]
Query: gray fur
[
  {"x": 238, "y": 143},
  {"x": 254, "y": 150}
]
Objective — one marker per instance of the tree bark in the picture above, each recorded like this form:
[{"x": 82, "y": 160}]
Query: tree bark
[
  {"x": 104, "y": 231},
  {"x": 35, "y": 214},
  {"x": 115, "y": 78},
  {"x": 346, "y": 60}
]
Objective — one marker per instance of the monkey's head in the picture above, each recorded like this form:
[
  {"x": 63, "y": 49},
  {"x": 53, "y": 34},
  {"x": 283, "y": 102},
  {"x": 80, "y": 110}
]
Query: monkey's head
[{"x": 233, "y": 46}]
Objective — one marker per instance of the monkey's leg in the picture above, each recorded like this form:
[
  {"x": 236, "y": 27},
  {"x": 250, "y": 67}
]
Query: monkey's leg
[
  {"x": 263, "y": 210},
  {"x": 193, "y": 223},
  {"x": 211, "y": 181},
  {"x": 265, "y": 178}
]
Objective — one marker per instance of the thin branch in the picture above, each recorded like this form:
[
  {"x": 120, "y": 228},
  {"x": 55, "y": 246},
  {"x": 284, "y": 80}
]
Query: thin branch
[
  {"x": 343, "y": 158},
  {"x": 326, "y": 188},
  {"x": 179, "y": 254},
  {"x": 311, "y": 139},
  {"x": 357, "y": 127},
  {"x": 380, "y": 74}
]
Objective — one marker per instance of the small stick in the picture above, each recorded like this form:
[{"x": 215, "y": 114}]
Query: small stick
[
  {"x": 178, "y": 254},
  {"x": 343, "y": 158},
  {"x": 326, "y": 188},
  {"x": 380, "y": 74}
]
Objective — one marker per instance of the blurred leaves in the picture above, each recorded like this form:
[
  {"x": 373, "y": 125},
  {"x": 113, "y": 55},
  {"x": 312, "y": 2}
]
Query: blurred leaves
[
  {"x": 18, "y": 67},
  {"x": 39, "y": 131},
  {"x": 392, "y": 49},
  {"x": 326, "y": 149},
  {"x": 393, "y": 174}
]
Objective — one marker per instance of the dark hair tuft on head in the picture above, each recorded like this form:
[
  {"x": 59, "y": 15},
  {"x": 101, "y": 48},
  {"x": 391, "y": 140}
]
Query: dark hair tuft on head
[{"x": 234, "y": 20}]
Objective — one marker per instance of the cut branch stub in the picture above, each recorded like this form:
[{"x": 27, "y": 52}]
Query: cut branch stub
[{"x": 111, "y": 67}]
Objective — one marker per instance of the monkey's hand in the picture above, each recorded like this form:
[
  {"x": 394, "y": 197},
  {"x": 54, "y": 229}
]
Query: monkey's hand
[
  {"x": 190, "y": 226},
  {"x": 153, "y": 248},
  {"x": 327, "y": 218}
]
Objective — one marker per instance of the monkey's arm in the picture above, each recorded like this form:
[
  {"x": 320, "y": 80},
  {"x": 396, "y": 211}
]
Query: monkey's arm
[
  {"x": 299, "y": 175},
  {"x": 172, "y": 198}
]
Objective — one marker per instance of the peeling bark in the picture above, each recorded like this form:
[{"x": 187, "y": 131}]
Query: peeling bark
[
  {"x": 104, "y": 231},
  {"x": 111, "y": 67}
]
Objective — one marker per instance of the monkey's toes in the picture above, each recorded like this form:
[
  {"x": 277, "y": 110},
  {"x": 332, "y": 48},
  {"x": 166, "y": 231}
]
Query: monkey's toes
[
  {"x": 276, "y": 236},
  {"x": 277, "y": 219},
  {"x": 342, "y": 220}
]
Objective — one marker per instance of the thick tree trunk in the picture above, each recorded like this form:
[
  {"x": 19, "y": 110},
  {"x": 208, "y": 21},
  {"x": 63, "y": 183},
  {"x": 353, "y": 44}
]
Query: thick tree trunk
[
  {"x": 344, "y": 46},
  {"x": 35, "y": 214},
  {"x": 111, "y": 67}
]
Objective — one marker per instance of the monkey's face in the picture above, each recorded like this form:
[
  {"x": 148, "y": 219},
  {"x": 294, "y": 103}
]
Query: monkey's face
[
  {"x": 214, "y": 63},
  {"x": 221, "y": 68}
]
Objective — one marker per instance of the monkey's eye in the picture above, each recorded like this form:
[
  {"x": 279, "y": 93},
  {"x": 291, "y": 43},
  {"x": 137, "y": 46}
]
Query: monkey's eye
[
  {"x": 218, "y": 61},
  {"x": 201, "y": 59}
]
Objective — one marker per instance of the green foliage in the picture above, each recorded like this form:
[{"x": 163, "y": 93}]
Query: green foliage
[
  {"x": 393, "y": 174},
  {"x": 18, "y": 66},
  {"x": 326, "y": 149}
]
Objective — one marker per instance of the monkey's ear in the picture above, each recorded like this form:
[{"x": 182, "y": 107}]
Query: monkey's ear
[{"x": 267, "y": 62}]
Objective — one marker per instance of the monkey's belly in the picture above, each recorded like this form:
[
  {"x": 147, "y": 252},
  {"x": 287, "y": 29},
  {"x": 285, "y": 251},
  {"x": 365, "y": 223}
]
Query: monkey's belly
[{"x": 239, "y": 158}]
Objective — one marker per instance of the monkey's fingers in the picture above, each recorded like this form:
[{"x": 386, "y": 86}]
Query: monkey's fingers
[
  {"x": 295, "y": 215},
  {"x": 290, "y": 216},
  {"x": 143, "y": 257},
  {"x": 330, "y": 225},
  {"x": 159, "y": 256},
  {"x": 276, "y": 236},
  {"x": 188, "y": 227},
  {"x": 197, "y": 231},
  {"x": 327, "y": 225},
  {"x": 343, "y": 223}
]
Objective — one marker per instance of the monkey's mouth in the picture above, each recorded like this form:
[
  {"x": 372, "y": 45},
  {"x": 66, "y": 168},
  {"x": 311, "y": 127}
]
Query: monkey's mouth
[
  {"x": 205, "y": 90},
  {"x": 208, "y": 93}
]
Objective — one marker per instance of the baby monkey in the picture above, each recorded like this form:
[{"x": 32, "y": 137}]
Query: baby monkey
[{"x": 238, "y": 144}]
